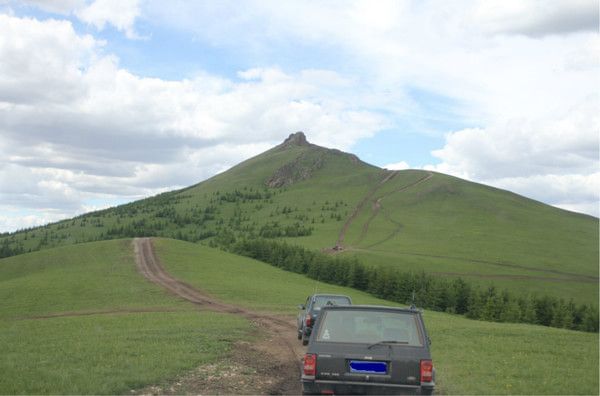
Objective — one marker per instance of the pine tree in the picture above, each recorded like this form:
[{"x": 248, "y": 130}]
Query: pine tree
[
  {"x": 590, "y": 319},
  {"x": 511, "y": 311},
  {"x": 475, "y": 306},
  {"x": 462, "y": 291},
  {"x": 528, "y": 314},
  {"x": 561, "y": 316}
]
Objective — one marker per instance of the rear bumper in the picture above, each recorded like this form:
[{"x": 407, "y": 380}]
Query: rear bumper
[{"x": 356, "y": 388}]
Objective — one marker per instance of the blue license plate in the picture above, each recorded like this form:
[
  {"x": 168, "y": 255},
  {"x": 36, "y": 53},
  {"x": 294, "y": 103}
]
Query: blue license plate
[{"x": 368, "y": 367}]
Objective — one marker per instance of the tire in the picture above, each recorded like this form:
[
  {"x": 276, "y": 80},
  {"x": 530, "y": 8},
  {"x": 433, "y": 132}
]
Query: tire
[{"x": 299, "y": 335}]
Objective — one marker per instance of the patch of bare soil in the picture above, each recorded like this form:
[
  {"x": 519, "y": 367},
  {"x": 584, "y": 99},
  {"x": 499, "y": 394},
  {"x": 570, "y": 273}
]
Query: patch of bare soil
[
  {"x": 269, "y": 366},
  {"x": 246, "y": 371}
]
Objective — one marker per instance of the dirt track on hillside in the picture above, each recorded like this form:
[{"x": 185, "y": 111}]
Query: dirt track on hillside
[
  {"x": 358, "y": 208},
  {"x": 377, "y": 208},
  {"x": 274, "y": 363}
]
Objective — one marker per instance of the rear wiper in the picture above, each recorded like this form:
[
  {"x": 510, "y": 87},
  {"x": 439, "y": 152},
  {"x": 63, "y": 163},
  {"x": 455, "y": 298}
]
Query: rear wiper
[{"x": 387, "y": 343}]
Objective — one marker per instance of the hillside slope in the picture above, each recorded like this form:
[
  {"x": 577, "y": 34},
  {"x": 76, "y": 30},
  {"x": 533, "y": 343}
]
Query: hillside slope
[
  {"x": 81, "y": 320},
  {"x": 320, "y": 198}
]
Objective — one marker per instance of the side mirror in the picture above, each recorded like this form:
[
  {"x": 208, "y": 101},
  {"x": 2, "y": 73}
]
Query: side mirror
[
  {"x": 428, "y": 340},
  {"x": 301, "y": 306}
]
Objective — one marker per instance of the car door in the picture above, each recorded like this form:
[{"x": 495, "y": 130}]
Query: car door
[{"x": 302, "y": 314}]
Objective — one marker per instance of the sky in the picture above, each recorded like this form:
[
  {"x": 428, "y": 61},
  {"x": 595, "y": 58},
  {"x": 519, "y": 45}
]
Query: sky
[{"x": 104, "y": 102}]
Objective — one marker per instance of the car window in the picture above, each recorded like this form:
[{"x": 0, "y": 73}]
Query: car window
[
  {"x": 321, "y": 301},
  {"x": 356, "y": 326}
]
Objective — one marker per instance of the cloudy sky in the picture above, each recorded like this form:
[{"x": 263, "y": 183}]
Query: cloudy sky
[{"x": 107, "y": 101}]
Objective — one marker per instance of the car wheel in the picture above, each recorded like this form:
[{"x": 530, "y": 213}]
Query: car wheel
[{"x": 299, "y": 335}]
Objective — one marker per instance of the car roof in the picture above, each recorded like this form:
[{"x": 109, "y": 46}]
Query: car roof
[
  {"x": 330, "y": 295},
  {"x": 370, "y": 307}
]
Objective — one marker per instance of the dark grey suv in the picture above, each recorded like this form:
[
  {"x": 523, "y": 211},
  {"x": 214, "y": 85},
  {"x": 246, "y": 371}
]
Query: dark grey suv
[
  {"x": 368, "y": 349},
  {"x": 309, "y": 311}
]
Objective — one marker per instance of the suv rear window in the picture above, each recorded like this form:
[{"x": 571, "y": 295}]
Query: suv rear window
[
  {"x": 368, "y": 326},
  {"x": 321, "y": 301}
]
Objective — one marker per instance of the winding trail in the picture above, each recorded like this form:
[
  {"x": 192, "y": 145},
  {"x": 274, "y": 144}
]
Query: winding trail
[
  {"x": 284, "y": 350},
  {"x": 358, "y": 208},
  {"x": 377, "y": 208}
]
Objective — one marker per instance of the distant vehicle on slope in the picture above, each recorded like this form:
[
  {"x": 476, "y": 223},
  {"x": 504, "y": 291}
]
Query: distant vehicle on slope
[
  {"x": 368, "y": 350},
  {"x": 309, "y": 311}
]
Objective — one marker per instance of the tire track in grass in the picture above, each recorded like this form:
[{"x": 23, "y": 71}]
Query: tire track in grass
[
  {"x": 377, "y": 207},
  {"x": 282, "y": 347},
  {"x": 342, "y": 235},
  {"x": 119, "y": 311}
]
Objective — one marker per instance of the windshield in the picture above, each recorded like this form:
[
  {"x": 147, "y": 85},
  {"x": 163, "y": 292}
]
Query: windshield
[
  {"x": 369, "y": 327},
  {"x": 321, "y": 301}
]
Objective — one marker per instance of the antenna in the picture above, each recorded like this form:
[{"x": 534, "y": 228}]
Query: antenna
[{"x": 412, "y": 302}]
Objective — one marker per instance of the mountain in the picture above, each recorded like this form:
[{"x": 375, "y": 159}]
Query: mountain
[{"x": 329, "y": 200}]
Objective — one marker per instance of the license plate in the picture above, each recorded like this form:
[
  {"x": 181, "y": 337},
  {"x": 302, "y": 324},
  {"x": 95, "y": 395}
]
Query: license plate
[{"x": 368, "y": 367}]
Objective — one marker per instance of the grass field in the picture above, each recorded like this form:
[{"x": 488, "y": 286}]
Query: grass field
[
  {"x": 118, "y": 332},
  {"x": 472, "y": 357}
]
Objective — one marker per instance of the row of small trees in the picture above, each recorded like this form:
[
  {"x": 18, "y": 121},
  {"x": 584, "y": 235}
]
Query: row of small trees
[{"x": 426, "y": 291}]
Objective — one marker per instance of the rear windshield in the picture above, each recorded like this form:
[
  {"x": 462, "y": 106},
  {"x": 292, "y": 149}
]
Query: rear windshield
[
  {"x": 330, "y": 300},
  {"x": 356, "y": 326}
]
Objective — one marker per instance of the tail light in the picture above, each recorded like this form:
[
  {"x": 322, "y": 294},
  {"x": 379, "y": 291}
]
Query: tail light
[
  {"x": 310, "y": 364},
  {"x": 308, "y": 320},
  {"x": 426, "y": 371}
]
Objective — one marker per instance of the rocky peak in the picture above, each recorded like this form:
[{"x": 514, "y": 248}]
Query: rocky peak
[{"x": 295, "y": 139}]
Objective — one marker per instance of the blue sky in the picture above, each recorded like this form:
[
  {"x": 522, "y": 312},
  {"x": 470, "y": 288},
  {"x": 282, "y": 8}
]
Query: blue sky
[{"x": 107, "y": 101}]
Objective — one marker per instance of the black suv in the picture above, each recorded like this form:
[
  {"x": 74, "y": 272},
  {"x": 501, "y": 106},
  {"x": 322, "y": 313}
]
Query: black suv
[
  {"x": 368, "y": 349},
  {"x": 310, "y": 310}
]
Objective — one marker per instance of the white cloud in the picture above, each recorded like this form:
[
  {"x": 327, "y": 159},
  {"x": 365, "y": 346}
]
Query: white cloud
[
  {"x": 63, "y": 7},
  {"x": 397, "y": 166},
  {"x": 554, "y": 160},
  {"x": 536, "y": 18},
  {"x": 119, "y": 13},
  {"x": 11, "y": 219}
]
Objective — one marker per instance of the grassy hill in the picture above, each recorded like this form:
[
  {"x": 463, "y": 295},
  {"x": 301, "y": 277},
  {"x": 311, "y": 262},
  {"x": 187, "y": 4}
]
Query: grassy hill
[
  {"x": 320, "y": 198},
  {"x": 79, "y": 319}
]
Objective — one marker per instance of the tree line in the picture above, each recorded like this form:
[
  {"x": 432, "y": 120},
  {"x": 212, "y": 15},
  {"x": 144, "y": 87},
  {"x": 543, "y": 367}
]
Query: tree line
[{"x": 425, "y": 291}]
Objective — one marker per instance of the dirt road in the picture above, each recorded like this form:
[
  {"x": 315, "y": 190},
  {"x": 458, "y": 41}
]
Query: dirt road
[{"x": 279, "y": 353}]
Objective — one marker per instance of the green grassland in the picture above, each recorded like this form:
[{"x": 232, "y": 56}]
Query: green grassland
[
  {"x": 80, "y": 320},
  {"x": 472, "y": 357},
  {"x": 121, "y": 332},
  {"x": 483, "y": 234},
  {"x": 444, "y": 225}
]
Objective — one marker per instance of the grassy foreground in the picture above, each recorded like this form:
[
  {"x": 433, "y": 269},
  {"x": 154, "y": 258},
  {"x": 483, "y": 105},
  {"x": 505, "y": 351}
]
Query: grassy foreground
[
  {"x": 472, "y": 357},
  {"x": 118, "y": 332}
]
